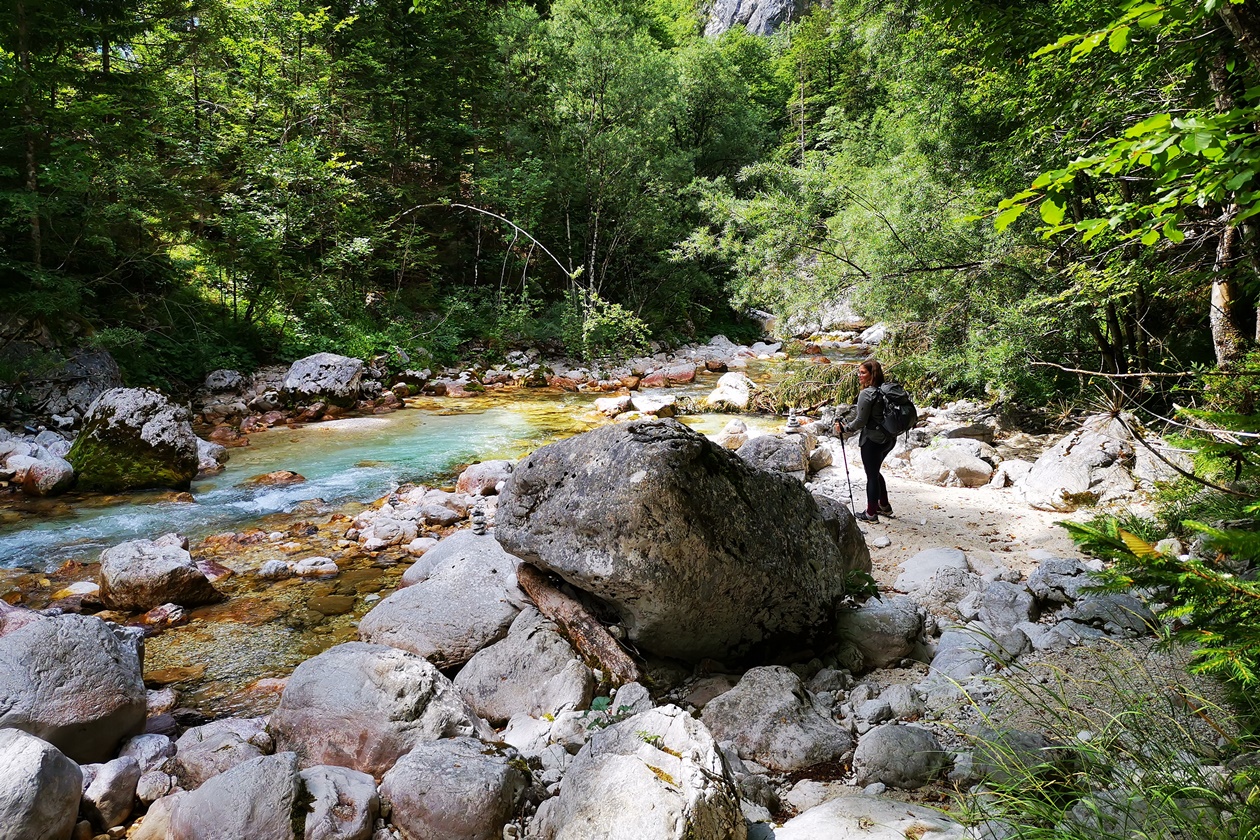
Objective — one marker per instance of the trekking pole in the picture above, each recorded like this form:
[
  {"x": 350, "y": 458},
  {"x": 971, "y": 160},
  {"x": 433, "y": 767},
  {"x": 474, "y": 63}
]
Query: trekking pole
[{"x": 845, "y": 456}]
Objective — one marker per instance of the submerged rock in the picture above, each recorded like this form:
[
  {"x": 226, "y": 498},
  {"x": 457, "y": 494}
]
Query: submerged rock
[
  {"x": 132, "y": 439},
  {"x": 699, "y": 553},
  {"x": 143, "y": 574}
]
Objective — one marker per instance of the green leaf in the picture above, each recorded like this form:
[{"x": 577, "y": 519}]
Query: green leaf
[
  {"x": 1006, "y": 217},
  {"x": 1057, "y": 45},
  {"x": 1173, "y": 233},
  {"x": 1051, "y": 211},
  {"x": 1240, "y": 179},
  {"x": 1150, "y": 237},
  {"x": 1119, "y": 39},
  {"x": 1150, "y": 124},
  {"x": 1091, "y": 228}
]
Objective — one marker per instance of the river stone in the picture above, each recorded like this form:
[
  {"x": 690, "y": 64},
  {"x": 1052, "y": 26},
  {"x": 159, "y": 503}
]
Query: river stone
[
  {"x": 72, "y": 681},
  {"x": 1014, "y": 757},
  {"x": 869, "y": 818},
  {"x": 922, "y": 567},
  {"x": 72, "y": 386},
  {"x": 904, "y": 757},
  {"x": 1071, "y": 472},
  {"x": 787, "y": 454},
  {"x": 734, "y": 389},
  {"x": 325, "y": 376},
  {"x": 39, "y": 789},
  {"x": 483, "y": 479},
  {"x": 1060, "y": 580},
  {"x": 256, "y": 800},
  {"x": 204, "y": 752},
  {"x": 534, "y": 671},
  {"x": 344, "y": 803},
  {"x": 457, "y": 787},
  {"x": 108, "y": 799},
  {"x": 48, "y": 477},
  {"x": 210, "y": 456},
  {"x": 770, "y": 718},
  {"x": 657, "y": 775},
  {"x": 960, "y": 462},
  {"x": 132, "y": 439},
  {"x": 700, "y": 554},
  {"x": 467, "y": 602},
  {"x": 363, "y": 706},
  {"x": 223, "y": 380},
  {"x": 149, "y": 751},
  {"x": 1004, "y": 605},
  {"x": 883, "y": 631},
  {"x": 143, "y": 574}
]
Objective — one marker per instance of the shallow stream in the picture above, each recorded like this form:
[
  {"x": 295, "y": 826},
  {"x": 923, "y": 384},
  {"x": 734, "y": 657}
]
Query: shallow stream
[{"x": 223, "y": 658}]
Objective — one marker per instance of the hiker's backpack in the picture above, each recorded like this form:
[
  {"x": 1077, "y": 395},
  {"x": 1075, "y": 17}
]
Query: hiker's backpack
[{"x": 899, "y": 412}]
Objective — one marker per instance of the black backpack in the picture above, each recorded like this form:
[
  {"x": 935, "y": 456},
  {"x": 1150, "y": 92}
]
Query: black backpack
[{"x": 899, "y": 412}]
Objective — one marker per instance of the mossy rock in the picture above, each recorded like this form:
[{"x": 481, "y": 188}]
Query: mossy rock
[{"x": 134, "y": 439}]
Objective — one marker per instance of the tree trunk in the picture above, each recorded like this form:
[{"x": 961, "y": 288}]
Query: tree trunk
[
  {"x": 1228, "y": 339},
  {"x": 1243, "y": 22},
  {"x": 28, "y": 115},
  {"x": 581, "y": 628}
]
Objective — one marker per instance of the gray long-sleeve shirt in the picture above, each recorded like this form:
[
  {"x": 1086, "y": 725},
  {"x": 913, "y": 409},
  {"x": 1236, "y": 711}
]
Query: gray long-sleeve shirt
[{"x": 865, "y": 419}]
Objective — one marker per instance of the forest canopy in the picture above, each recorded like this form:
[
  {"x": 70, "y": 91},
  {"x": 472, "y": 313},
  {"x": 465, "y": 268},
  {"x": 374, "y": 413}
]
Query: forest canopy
[{"x": 1026, "y": 187}]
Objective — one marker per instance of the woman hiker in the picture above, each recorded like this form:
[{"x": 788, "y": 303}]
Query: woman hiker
[{"x": 874, "y": 443}]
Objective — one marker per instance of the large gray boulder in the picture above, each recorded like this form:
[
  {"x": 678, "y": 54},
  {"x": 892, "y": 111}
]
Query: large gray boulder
[
  {"x": 143, "y": 574},
  {"x": 467, "y": 601},
  {"x": 39, "y": 789},
  {"x": 534, "y": 671},
  {"x": 869, "y": 818},
  {"x": 700, "y": 554},
  {"x": 771, "y": 719},
  {"x": 1083, "y": 466},
  {"x": 657, "y": 775},
  {"x": 882, "y": 631},
  {"x": 259, "y": 800},
  {"x": 904, "y": 757},
  {"x": 457, "y": 787},
  {"x": 324, "y": 376},
  {"x": 74, "y": 682},
  {"x": 787, "y": 454},
  {"x": 68, "y": 388},
  {"x": 134, "y": 438},
  {"x": 955, "y": 462},
  {"x": 364, "y": 706}
]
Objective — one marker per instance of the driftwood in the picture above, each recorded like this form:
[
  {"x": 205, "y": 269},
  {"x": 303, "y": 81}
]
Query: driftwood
[{"x": 590, "y": 638}]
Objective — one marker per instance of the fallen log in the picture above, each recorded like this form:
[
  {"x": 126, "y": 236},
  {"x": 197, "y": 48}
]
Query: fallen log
[{"x": 590, "y": 638}]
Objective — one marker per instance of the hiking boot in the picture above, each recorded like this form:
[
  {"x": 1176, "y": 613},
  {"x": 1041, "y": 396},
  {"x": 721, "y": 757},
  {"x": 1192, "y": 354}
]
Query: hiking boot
[
  {"x": 863, "y": 516},
  {"x": 885, "y": 509}
]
